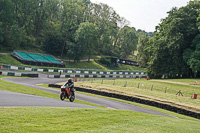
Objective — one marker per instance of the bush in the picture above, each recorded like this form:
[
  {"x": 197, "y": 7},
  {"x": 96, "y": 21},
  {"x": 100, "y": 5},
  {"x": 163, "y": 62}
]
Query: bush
[
  {"x": 53, "y": 43},
  {"x": 105, "y": 61}
]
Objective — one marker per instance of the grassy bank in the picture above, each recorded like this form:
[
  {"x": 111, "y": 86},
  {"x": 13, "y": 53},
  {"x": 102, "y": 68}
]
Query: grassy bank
[
  {"x": 85, "y": 65},
  {"x": 159, "y": 91},
  {"x": 131, "y": 103},
  {"x": 7, "y": 86},
  {"x": 90, "y": 120},
  {"x": 8, "y": 59}
]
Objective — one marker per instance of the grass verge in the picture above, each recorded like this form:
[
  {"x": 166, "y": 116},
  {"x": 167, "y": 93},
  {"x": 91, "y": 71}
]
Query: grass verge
[
  {"x": 8, "y": 59},
  {"x": 8, "y": 86},
  {"x": 38, "y": 119}
]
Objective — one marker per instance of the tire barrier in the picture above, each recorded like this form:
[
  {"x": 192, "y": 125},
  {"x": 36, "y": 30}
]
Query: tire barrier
[
  {"x": 19, "y": 74},
  {"x": 73, "y": 71},
  {"x": 95, "y": 76},
  {"x": 138, "y": 100}
]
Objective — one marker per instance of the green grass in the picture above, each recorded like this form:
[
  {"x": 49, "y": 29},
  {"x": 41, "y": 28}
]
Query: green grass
[
  {"x": 7, "y": 86},
  {"x": 8, "y": 59},
  {"x": 189, "y": 81},
  {"x": 127, "y": 67},
  {"x": 143, "y": 106},
  {"x": 144, "y": 91},
  {"x": 47, "y": 119},
  {"x": 85, "y": 65},
  {"x": 38, "y": 119}
]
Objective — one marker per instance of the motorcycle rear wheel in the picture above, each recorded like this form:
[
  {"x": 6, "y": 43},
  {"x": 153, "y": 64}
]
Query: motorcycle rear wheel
[{"x": 62, "y": 96}]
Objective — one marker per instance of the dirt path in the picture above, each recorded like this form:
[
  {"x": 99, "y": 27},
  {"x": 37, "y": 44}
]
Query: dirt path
[
  {"x": 4, "y": 53},
  {"x": 180, "y": 83}
]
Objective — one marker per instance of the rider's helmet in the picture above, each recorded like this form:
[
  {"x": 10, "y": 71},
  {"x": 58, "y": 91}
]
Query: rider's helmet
[{"x": 69, "y": 80}]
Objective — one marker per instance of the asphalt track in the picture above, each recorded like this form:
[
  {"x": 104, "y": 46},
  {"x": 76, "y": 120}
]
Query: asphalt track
[
  {"x": 17, "y": 99},
  {"x": 13, "y": 99}
]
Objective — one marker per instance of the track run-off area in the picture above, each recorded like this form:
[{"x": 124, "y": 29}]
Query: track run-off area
[{"x": 12, "y": 99}]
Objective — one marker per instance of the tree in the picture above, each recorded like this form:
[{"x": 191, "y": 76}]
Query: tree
[
  {"x": 192, "y": 55},
  {"x": 15, "y": 38},
  {"x": 53, "y": 43},
  {"x": 106, "y": 19},
  {"x": 72, "y": 16},
  {"x": 173, "y": 47},
  {"x": 144, "y": 48},
  {"x": 86, "y": 37},
  {"x": 127, "y": 41},
  {"x": 38, "y": 20}
]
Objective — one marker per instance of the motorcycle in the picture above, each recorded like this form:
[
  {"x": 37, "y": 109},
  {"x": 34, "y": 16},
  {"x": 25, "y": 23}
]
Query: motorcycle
[{"x": 67, "y": 93}]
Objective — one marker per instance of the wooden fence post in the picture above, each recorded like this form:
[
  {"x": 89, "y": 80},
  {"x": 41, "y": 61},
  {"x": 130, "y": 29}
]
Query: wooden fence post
[
  {"x": 151, "y": 87},
  {"x": 138, "y": 85},
  {"x": 125, "y": 84},
  {"x": 165, "y": 89}
]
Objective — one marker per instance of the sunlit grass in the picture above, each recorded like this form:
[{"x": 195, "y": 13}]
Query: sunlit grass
[
  {"x": 38, "y": 119},
  {"x": 152, "y": 90}
]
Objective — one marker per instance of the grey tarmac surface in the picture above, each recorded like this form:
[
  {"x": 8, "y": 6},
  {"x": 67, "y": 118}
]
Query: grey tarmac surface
[
  {"x": 31, "y": 82},
  {"x": 13, "y": 99}
]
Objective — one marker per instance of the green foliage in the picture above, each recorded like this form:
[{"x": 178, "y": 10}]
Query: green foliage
[
  {"x": 173, "y": 51},
  {"x": 73, "y": 28},
  {"x": 53, "y": 43},
  {"x": 142, "y": 33},
  {"x": 144, "y": 48},
  {"x": 105, "y": 61},
  {"x": 7, "y": 15},
  {"x": 1, "y": 34},
  {"x": 86, "y": 37},
  {"x": 127, "y": 41},
  {"x": 15, "y": 38}
]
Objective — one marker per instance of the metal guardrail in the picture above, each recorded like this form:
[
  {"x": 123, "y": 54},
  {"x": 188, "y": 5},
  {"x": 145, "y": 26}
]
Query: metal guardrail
[
  {"x": 73, "y": 71},
  {"x": 5, "y": 73}
]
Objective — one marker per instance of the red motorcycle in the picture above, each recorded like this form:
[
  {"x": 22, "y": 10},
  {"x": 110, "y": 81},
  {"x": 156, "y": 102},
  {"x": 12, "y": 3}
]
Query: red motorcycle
[{"x": 67, "y": 93}]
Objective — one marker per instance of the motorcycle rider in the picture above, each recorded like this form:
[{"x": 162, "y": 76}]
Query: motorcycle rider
[{"x": 70, "y": 84}]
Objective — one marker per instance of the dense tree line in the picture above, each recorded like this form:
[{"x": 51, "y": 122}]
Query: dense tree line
[
  {"x": 174, "y": 51},
  {"x": 73, "y": 28}
]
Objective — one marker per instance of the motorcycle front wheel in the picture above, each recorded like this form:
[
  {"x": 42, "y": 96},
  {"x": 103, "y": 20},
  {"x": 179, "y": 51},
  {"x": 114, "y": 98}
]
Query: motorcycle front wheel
[
  {"x": 72, "y": 97},
  {"x": 62, "y": 96}
]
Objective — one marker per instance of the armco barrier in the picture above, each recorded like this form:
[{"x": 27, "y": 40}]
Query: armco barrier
[
  {"x": 73, "y": 71},
  {"x": 95, "y": 76},
  {"x": 19, "y": 74},
  {"x": 138, "y": 100}
]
